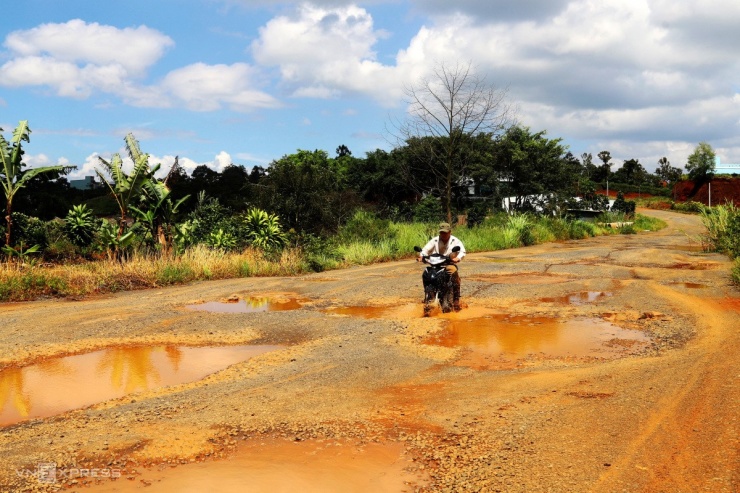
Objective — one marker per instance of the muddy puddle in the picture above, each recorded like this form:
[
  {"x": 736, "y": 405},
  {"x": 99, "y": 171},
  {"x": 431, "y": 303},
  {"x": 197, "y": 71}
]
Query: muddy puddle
[
  {"x": 274, "y": 465},
  {"x": 58, "y": 385},
  {"x": 249, "y": 305},
  {"x": 505, "y": 341},
  {"x": 581, "y": 298}
]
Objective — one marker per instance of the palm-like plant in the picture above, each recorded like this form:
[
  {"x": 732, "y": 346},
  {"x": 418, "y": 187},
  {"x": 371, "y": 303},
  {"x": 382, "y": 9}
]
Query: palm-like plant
[
  {"x": 157, "y": 212},
  {"x": 80, "y": 225},
  {"x": 12, "y": 175},
  {"x": 127, "y": 188},
  {"x": 263, "y": 229}
]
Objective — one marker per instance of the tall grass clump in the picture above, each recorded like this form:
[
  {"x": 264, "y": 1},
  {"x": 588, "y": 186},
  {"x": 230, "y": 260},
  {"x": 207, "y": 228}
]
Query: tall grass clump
[
  {"x": 723, "y": 228},
  {"x": 736, "y": 272},
  {"x": 648, "y": 223}
]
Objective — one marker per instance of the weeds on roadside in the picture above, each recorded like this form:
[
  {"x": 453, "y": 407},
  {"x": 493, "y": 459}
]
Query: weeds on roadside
[
  {"x": 141, "y": 270},
  {"x": 723, "y": 228}
]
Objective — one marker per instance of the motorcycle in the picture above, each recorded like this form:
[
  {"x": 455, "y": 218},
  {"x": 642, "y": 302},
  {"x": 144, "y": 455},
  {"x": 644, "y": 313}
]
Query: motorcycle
[{"x": 437, "y": 282}]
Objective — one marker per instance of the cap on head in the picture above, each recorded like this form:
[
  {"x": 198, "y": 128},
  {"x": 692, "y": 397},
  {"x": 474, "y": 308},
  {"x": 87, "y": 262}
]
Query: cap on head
[{"x": 444, "y": 227}]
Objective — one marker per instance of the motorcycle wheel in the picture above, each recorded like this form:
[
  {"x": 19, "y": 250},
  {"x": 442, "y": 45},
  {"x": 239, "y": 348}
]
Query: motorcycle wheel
[
  {"x": 428, "y": 300},
  {"x": 446, "y": 301}
]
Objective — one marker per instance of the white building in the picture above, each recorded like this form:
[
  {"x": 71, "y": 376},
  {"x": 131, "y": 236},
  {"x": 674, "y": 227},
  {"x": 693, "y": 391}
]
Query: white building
[{"x": 725, "y": 169}]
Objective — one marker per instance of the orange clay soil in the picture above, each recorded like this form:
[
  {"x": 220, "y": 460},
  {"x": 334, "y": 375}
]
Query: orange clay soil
[{"x": 603, "y": 365}]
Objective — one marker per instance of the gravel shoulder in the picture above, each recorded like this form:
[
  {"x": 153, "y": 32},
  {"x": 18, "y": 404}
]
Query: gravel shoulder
[{"x": 663, "y": 416}]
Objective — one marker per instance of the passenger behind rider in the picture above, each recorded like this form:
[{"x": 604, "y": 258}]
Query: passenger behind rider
[{"x": 443, "y": 244}]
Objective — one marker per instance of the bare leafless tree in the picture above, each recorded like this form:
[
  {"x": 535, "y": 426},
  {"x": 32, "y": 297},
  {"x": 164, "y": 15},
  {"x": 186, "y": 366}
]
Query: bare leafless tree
[{"x": 446, "y": 108}]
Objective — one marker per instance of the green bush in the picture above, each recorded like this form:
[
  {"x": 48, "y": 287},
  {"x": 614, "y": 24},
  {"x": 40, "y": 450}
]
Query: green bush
[
  {"x": 689, "y": 206},
  {"x": 428, "y": 210},
  {"x": 624, "y": 206},
  {"x": 365, "y": 226},
  {"x": 175, "y": 274},
  {"x": 723, "y": 228},
  {"x": 80, "y": 225},
  {"x": 263, "y": 230},
  {"x": 477, "y": 213},
  {"x": 28, "y": 231},
  {"x": 736, "y": 272}
]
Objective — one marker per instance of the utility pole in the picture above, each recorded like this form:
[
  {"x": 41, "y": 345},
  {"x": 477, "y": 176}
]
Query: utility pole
[{"x": 710, "y": 194}]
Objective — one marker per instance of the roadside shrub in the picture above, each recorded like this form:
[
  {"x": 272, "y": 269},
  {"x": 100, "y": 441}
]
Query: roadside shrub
[
  {"x": 28, "y": 231},
  {"x": 365, "y": 226},
  {"x": 648, "y": 223},
  {"x": 627, "y": 229},
  {"x": 221, "y": 240},
  {"x": 263, "y": 230},
  {"x": 624, "y": 206},
  {"x": 80, "y": 225},
  {"x": 736, "y": 272},
  {"x": 723, "y": 228},
  {"x": 523, "y": 227},
  {"x": 689, "y": 206},
  {"x": 477, "y": 212},
  {"x": 175, "y": 273},
  {"x": 428, "y": 210}
]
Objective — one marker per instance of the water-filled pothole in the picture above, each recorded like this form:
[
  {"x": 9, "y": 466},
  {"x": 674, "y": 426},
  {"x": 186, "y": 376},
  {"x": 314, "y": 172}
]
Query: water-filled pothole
[
  {"x": 249, "y": 305},
  {"x": 581, "y": 298},
  {"x": 281, "y": 466},
  {"x": 61, "y": 384},
  {"x": 503, "y": 341}
]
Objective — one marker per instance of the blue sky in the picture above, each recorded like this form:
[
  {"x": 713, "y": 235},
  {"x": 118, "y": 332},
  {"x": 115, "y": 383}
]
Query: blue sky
[{"x": 246, "y": 82}]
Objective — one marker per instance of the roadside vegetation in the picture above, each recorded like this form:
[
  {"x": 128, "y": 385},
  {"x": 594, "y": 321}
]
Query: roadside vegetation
[
  {"x": 723, "y": 233},
  {"x": 139, "y": 225}
]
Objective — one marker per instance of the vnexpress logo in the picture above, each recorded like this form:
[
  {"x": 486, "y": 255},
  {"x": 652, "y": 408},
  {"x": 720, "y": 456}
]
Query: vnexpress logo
[{"x": 46, "y": 472}]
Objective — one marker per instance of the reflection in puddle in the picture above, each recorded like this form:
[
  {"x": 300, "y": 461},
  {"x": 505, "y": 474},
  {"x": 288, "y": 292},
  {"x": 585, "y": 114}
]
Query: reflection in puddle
[
  {"x": 502, "y": 340},
  {"x": 280, "y": 466},
  {"x": 578, "y": 298},
  {"x": 58, "y": 385},
  {"x": 249, "y": 305}
]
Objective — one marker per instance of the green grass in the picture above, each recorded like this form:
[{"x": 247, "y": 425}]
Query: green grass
[
  {"x": 201, "y": 263},
  {"x": 736, "y": 272},
  {"x": 648, "y": 223}
]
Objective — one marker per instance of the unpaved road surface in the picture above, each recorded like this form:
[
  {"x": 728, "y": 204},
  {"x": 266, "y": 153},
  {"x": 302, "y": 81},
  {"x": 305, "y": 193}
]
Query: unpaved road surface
[{"x": 358, "y": 365}]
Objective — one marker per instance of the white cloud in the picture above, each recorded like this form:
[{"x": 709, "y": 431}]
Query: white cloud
[
  {"x": 77, "y": 59},
  {"x": 204, "y": 87},
  {"x": 133, "y": 49},
  {"x": 334, "y": 56}
]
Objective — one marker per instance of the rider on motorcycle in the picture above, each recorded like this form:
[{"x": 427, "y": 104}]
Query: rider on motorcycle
[{"x": 443, "y": 244}]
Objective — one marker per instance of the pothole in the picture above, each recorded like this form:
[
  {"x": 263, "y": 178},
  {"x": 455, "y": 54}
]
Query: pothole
[
  {"x": 57, "y": 385},
  {"x": 311, "y": 466},
  {"x": 582, "y": 298},
  {"x": 249, "y": 305},
  {"x": 507, "y": 341}
]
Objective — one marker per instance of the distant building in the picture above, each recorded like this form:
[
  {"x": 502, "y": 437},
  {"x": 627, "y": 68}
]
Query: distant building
[
  {"x": 86, "y": 183},
  {"x": 725, "y": 169}
]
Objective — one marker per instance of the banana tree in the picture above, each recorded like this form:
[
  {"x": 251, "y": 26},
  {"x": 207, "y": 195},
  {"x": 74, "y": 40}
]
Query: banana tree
[
  {"x": 12, "y": 175},
  {"x": 157, "y": 213},
  {"x": 127, "y": 187}
]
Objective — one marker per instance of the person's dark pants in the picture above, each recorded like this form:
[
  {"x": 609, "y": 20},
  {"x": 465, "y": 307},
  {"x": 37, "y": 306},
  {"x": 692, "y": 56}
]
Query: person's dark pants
[{"x": 452, "y": 271}]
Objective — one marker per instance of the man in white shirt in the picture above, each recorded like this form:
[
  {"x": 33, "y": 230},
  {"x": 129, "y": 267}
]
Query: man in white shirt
[{"x": 443, "y": 244}]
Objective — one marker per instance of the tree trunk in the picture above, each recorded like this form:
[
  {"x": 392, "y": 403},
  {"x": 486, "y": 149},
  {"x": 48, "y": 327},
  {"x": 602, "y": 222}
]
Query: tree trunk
[{"x": 9, "y": 222}]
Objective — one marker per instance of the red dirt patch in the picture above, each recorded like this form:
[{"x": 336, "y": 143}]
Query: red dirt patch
[{"x": 723, "y": 190}]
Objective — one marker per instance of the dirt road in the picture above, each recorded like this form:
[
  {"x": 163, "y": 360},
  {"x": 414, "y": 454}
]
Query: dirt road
[{"x": 603, "y": 365}]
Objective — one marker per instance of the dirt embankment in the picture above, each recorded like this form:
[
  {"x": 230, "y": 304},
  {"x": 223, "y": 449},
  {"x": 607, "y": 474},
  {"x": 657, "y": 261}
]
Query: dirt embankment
[
  {"x": 722, "y": 190},
  {"x": 602, "y": 365}
]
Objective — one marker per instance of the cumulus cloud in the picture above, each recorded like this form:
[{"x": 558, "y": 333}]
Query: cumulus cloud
[
  {"x": 334, "y": 57},
  {"x": 77, "y": 59},
  {"x": 92, "y": 163}
]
